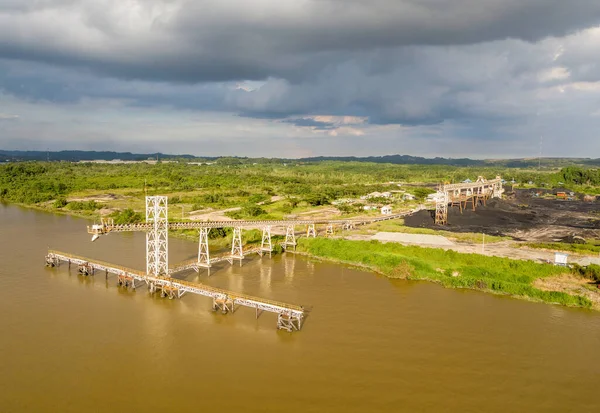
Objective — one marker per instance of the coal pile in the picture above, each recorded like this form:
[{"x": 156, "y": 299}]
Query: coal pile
[{"x": 520, "y": 213}]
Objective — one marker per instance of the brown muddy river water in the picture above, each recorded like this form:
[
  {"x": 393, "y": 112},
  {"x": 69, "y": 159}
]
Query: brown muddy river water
[{"x": 70, "y": 343}]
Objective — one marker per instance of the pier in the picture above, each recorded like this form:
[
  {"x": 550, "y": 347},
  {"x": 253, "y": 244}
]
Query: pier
[
  {"x": 289, "y": 316},
  {"x": 158, "y": 275}
]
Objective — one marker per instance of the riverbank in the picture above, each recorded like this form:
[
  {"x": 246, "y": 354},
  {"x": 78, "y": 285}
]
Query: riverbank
[
  {"x": 497, "y": 275},
  {"x": 516, "y": 278}
]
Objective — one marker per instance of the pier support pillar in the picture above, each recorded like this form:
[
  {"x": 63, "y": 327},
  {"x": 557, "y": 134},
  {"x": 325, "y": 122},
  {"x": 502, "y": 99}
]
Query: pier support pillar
[
  {"x": 86, "y": 269},
  {"x": 289, "y": 322},
  {"x": 126, "y": 281},
  {"x": 310, "y": 231},
  {"x": 52, "y": 261},
  {"x": 223, "y": 304}
]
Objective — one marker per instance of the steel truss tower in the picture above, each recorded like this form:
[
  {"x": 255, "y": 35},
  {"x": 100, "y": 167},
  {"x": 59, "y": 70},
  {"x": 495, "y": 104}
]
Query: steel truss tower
[
  {"x": 203, "y": 254},
  {"x": 236, "y": 245},
  {"x": 329, "y": 230},
  {"x": 157, "y": 239},
  {"x": 310, "y": 231},
  {"x": 265, "y": 245},
  {"x": 290, "y": 237}
]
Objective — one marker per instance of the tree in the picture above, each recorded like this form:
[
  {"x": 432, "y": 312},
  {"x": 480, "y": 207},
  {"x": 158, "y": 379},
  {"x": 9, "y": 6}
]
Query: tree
[{"x": 317, "y": 199}]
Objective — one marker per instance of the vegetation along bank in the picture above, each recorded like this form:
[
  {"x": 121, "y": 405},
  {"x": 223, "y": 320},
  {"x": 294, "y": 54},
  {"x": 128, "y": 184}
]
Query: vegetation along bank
[{"x": 496, "y": 275}]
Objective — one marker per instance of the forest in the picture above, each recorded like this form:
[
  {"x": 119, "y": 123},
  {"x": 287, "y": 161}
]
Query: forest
[{"x": 232, "y": 182}]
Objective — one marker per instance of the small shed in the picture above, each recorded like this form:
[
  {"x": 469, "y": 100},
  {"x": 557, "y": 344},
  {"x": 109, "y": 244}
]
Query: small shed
[
  {"x": 560, "y": 258},
  {"x": 386, "y": 210}
]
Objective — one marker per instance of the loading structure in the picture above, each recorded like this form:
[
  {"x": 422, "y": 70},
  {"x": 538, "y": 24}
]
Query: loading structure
[{"x": 464, "y": 194}]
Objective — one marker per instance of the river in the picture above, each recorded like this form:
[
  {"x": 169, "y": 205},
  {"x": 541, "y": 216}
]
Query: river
[{"x": 70, "y": 343}]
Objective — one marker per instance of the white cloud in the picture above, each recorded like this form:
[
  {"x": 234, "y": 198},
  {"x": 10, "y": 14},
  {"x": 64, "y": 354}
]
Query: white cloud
[{"x": 554, "y": 73}]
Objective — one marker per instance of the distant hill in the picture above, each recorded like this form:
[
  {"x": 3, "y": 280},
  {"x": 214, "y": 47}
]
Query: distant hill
[
  {"x": 75, "y": 156},
  {"x": 399, "y": 159}
]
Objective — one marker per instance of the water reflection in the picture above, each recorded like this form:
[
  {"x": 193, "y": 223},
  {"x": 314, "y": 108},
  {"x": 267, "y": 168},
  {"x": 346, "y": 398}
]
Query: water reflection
[
  {"x": 289, "y": 268},
  {"x": 265, "y": 270}
]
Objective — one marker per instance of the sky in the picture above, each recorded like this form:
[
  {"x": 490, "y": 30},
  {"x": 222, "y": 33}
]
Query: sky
[{"x": 298, "y": 78}]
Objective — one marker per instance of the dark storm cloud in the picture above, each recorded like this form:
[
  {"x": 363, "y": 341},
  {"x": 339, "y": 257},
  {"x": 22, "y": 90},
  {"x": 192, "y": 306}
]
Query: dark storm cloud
[
  {"x": 220, "y": 40},
  {"x": 474, "y": 70}
]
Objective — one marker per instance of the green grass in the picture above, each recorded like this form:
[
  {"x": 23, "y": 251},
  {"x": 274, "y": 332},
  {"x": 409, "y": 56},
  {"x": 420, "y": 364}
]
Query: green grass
[
  {"x": 591, "y": 247},
  {"x": 492, "y": 274}
]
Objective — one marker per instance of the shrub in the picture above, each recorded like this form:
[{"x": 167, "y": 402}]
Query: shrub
[
  {"x": 256, "y": 198},
  {"x": 592, "y": 271},
  {"x": 253, "y": 211},
  {"x": 127, "y": 216},
  {"x": 84, "y": 206},
  {"x": 286, "y": 208},
  {"x": 60, "y": 202}
]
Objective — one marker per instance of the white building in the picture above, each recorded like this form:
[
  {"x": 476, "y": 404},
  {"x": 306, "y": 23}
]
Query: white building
[
  {"x": 377, "y": 195},
  {"x": 437, "y": 196},
  {"x": 386, "y": 210},
  {"x": 409, "y": 197},
  {"x": 560, "y": 258}
]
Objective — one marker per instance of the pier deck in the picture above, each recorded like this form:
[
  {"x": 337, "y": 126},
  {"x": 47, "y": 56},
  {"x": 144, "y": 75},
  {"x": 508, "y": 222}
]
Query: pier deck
[{"x": 174, "y": 288}]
